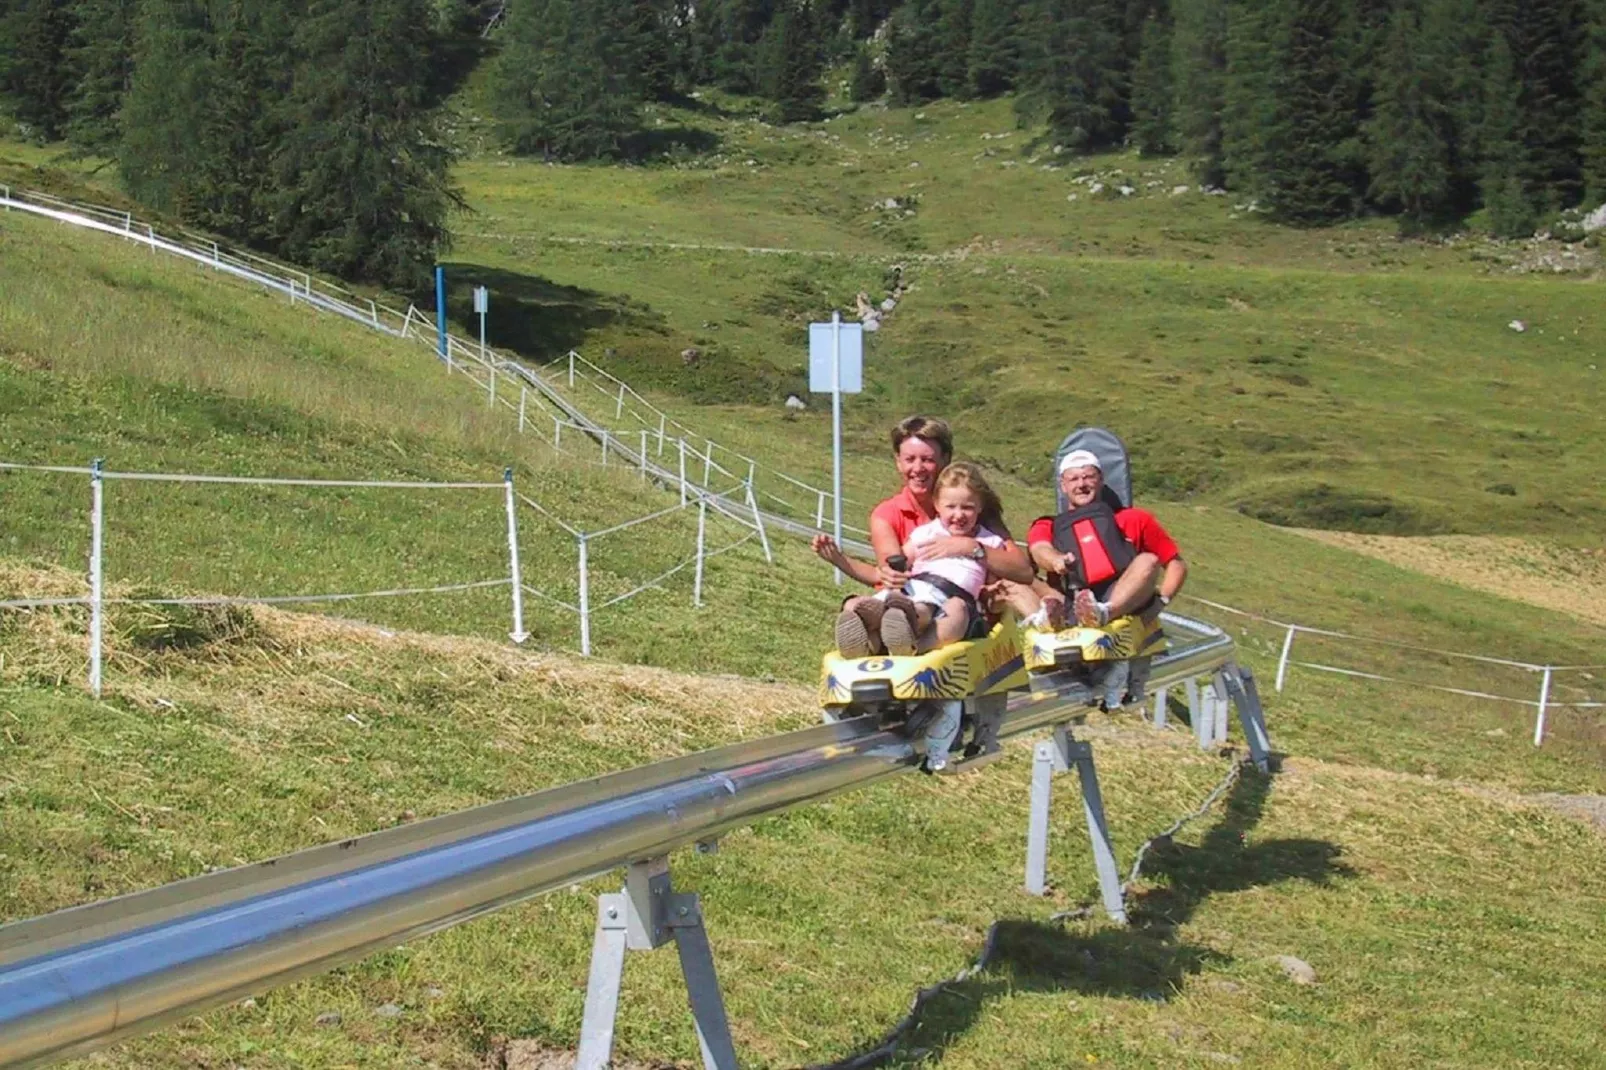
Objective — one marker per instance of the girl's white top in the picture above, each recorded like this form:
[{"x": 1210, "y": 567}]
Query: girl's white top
[{"x": 961, "y": 571}]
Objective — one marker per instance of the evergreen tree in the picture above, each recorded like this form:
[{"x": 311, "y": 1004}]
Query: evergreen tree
[
  {"x": 994, "y": 59},
  {"x": 913, "y": 43},
  {"x": 1542, "y": 39},
  {"x": 1508, "y": 204},
  {"x": 1199, "y": 54},
  {"x": 229, "y": 187},
  {"x": 1073, "y": 73},
  {"x": 1593, "y": 119},
  {"x": 1407, "y": 138},
  {"x": 364, "y": 185},
  {"x": 1292, "y": 133},
  {"x": 162, "y": 114},
  {"x": 952, "y": 56},
  {"x": 34, "y": 37},
  {"x": 790, "y": 63},
  {"x": 101, "y": 55},
  {"x": 726, "y": 34},
  {"x": 869, "y": 81},
  {"x": 1152, "y": 94},
  {"x": 560, "y": 85}
]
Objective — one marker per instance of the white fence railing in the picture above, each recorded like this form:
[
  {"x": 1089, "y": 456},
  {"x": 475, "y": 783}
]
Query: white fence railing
[
  {"x": 511, "y": 499},
  {"x": 1547, "y": 682},
  {"x": 538, "y": 400}
]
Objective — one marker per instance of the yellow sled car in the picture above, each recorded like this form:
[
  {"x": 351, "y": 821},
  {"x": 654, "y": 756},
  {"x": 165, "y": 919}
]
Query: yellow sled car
[
  {"x": 937, "y": 696},
  {"x": 1123, "y": 639}
]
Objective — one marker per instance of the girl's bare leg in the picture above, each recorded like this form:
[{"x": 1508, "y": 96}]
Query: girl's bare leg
[{"x": 954, "y": 622}]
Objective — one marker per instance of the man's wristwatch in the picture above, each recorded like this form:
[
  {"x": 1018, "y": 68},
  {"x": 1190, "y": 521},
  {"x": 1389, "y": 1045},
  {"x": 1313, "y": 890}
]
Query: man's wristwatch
[{"x": 1164, "y": 600}]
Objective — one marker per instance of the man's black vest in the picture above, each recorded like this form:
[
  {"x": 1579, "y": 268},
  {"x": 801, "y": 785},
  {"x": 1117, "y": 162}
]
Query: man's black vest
[{"x": 1093, "y": 541}]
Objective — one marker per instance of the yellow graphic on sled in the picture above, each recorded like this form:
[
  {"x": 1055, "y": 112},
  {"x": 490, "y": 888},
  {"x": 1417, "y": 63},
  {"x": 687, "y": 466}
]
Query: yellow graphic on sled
[
  {"x": 1120, "y": 640},
  {"x": 956, "y": 671}
]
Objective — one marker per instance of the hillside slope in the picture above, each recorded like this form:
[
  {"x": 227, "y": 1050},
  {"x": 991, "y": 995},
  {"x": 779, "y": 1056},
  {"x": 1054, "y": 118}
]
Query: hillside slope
[
  {"x": 1336, "y": 378},
  {"x": 1447, "y": 923}
]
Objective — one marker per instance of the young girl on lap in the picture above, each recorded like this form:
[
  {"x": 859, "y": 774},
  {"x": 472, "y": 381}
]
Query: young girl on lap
[{"x": 941, "y": 591}]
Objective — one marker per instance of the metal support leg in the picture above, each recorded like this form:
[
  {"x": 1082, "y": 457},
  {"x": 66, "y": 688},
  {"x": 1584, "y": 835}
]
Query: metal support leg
[
  {"x": 1160, "y": 708},
  {"x": 1246, "y": 696},
  {"x": 647, "y": 914},
  {"x": 1190, "y": 687},
  {"x": 1053, "y": 756},
  {"x": 1219, "y": 728},
  {"x": 1098, "y": 830}
]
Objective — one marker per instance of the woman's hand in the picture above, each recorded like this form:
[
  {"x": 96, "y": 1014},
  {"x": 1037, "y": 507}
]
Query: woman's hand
[
  {"x": 945, "y": 546},
  {"x": 889, "y": 577},
  {"x": 827, "y": 549}
]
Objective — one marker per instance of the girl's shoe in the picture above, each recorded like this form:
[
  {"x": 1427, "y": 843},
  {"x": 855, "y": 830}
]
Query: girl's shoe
[
  {"x": 900, "y": 625},
  {"x": 1089, "y": 611},
  {"x": 852, "y": 636}
]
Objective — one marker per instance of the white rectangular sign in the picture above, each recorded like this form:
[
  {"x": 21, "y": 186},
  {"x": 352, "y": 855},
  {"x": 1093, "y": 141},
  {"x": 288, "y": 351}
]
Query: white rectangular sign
[
  {"x": 821, "y": 343},
  {"x": 482, "y": 300}
]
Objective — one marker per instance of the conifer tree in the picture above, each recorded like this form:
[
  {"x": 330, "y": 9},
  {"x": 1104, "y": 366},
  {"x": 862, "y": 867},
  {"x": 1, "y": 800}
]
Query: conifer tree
[
  {"x": 726, "y": 35},
  {"x": 1593, "y": 118},
  {"x": 1073, "y": 73},
  {"x": 1542, "y": 40},
  {"x": 363, "y": 179},
  {"x": 1508, "y": 203},
  {"x": 1248, "y": 95},
  {"x": 101, "y": 57},
  {"x": 1408, "y": 136},
  {"x": 1152, "y": 94},
  {"x": 159, "y": 149},
  {"x": 994, "y": 59},
  {"x": 912, "y": 49},
  {"x": 790, "y": 61},
  {"x": 561, "y": 86},
  {"x": 953, "y": 48},
  {"x": 1199, "y": 52},
  {"x": 869, "y": 81},
  {"x": 34, "y": 37}
]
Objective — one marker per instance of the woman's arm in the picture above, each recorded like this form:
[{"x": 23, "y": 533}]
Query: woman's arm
[
  {"x": 1007, "y": 562},
  {"x": 829, "y": 551}
]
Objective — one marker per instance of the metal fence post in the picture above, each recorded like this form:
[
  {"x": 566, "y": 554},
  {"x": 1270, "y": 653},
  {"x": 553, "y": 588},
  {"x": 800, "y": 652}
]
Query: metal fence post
[
  {"x": 682, "y": 444},
  {"x": 518, "y": 634},
  {"x": 1544, "y": 700},
  {"x": 660, "y": 434},
  {"x": 819, "y": 512},
  {"x": 604, "y": 447},
  {"x": 708, "y": 460},
  {"x": 522, "y": 392},
  {"x": 758, "y": 522},
  {"x": 1282, "y": 660},
  {"x": 491, "y": 386},
  {"x": 557, "y": 433},
  {"x": 619, "y": 409},
  {"x": 702, "y": 527},
  {"x": 97, "y": 513},
  {"x": 571, "y": 368},
  {"x": 585, "y": 601},
  {"x": 643, "y": 454}
]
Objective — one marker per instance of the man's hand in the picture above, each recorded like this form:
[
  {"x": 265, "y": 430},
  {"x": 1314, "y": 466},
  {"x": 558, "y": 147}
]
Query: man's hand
[
  {"x": 945, "y": 546},
  {"x": 1047, "y": 558}
]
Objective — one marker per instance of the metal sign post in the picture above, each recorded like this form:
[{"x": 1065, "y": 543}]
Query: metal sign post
[
  {"x": 482, "y": 305},
  {"x": 440, "y": 314},
  {"x": 836, "y": 367}
]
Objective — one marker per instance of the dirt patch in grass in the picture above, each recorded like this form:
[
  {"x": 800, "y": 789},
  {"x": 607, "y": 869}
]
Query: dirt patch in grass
[{"x": 1566, "y": 579}]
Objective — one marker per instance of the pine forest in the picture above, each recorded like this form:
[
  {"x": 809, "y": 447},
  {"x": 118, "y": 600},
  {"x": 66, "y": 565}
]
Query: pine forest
[{"x": 313, "y": 128}]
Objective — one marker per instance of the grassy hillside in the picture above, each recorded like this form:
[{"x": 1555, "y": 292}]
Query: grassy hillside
[
  {"x": 1448, "y": 924},
  {"x": 1334, "y": 378}
]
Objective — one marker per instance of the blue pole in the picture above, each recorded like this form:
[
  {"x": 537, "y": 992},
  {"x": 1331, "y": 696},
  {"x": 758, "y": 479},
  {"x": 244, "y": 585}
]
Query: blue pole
[{"x": 440, "y": 307}]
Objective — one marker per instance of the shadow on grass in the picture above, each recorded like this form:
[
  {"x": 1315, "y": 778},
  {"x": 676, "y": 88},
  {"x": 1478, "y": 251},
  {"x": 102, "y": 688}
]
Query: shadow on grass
[
  {"x": 1146, "y": 960},
  {"x": 532, "y": 316},
  {"x": 678, "y": 141}
]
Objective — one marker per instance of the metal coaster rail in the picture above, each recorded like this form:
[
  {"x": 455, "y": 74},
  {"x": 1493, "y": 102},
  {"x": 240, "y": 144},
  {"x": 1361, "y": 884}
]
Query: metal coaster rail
[{"x": 79, "y": 979}]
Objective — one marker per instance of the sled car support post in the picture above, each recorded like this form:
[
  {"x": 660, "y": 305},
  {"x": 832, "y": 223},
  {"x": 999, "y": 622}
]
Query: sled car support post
[
  {"x": 1057, "y": 755},
  {"x": 643, "y": 916}
]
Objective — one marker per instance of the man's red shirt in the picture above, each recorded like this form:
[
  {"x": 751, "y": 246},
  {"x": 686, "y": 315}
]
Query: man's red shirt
[{"x": 1140, "y": 527}]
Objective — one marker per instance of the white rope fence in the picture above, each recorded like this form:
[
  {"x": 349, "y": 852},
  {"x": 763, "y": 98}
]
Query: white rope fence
[
  {"x": 1542, "y": 704},
  {"x": 538, "y": 399},
  {"x": 97, "y": 600}
]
